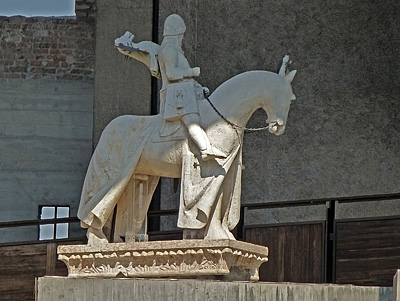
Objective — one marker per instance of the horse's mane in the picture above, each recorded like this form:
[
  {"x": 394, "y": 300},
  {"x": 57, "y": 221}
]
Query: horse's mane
[{"x": 246, "y": 80}]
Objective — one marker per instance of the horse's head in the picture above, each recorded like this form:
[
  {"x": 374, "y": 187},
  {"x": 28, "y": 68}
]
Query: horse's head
[{"x": 278, "y": 108}]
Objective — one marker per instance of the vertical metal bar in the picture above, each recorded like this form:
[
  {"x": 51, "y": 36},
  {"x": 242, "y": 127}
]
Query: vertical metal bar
[
  {"x": 147, "y": 209},
  {"x": 239, "y": 229},
  {"x": 334, "y": 234},
  {"x": 113, "y": 222},
  {"x": 330, "y": 242},
  {"x": 155, "y": 205},
  {"x": 55, "y": 225},
  {"x": 154, "y": 81}
]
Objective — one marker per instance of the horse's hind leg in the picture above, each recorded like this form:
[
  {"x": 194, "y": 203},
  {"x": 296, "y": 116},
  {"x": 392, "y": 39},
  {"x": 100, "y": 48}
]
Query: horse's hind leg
[{"x": 96, "y": 237}]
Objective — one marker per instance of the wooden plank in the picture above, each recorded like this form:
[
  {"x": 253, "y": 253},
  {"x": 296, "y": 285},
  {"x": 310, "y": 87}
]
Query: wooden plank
[
  {"x": 18, "y": 295},
  {"x": 51, "y": 258},
  {"x": 169, "y": 236},
  {"x": 20, "y": 267},
  {"x": 60, "y": 269},
  {"x": 23, "y": 263},
  {"x": 367, "y": 252},
  {"x": 20, "y": 283},
  {"x": 296, "y": 252}
]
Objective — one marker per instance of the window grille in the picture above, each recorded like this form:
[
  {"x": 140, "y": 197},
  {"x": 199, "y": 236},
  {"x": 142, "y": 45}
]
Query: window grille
[{"x": 54, "y": 230}]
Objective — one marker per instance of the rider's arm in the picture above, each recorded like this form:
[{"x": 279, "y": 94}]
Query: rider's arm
[{"x": 172, "y": 67}]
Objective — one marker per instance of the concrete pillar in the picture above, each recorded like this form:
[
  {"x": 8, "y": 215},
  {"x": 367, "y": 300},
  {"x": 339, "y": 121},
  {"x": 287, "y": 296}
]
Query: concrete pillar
[{"x": 121, "y": 86}]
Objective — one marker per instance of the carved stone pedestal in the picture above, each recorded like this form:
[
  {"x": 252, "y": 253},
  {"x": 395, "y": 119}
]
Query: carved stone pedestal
[{"x": 212, "y": 259}]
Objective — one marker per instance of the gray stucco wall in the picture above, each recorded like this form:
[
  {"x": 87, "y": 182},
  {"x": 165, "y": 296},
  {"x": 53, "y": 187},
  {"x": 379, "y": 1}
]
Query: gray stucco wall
[
  {"x": 45, "y": 146},
  {"x": 121, "y": 86},
  {"x": 343, "y": 132},
  {"x": 46, "y": 115}
]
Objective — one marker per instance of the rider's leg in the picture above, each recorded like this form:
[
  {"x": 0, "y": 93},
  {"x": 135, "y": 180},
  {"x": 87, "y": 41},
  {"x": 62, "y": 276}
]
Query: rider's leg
[{"x": 199, "y": 136}]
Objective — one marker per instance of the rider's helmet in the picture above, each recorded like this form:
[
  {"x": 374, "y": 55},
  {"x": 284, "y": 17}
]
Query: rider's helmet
[{"x": 174, "y": 25}]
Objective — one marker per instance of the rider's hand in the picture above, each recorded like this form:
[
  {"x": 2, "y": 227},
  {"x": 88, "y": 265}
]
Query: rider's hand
[
  {"x": 285, "y": 59},
  {"x": 196, "y": 71}
]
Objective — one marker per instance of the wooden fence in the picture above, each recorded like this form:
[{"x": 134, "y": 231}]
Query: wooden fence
[{"x": 22, "y": 263}]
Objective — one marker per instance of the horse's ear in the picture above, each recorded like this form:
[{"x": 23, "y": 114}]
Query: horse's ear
[{"x": 289, "y": 77}]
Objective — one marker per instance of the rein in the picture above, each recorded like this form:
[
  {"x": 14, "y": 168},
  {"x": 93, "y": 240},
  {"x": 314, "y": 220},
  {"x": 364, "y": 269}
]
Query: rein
[{"x": 235, "y": 125}]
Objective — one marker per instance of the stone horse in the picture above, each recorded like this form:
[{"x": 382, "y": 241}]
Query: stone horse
[{"x": 131, "y": 156}]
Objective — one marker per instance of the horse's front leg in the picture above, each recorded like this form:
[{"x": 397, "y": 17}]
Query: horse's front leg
[{"x": 215, "y": 228}]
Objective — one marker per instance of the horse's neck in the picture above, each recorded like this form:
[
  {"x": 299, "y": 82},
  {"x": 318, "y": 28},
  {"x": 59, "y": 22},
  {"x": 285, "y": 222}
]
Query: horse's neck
[{"x": 238, "y": 98}]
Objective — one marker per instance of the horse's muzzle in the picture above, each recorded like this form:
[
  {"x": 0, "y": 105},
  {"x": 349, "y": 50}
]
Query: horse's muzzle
[{"x": 277, "y": 127}]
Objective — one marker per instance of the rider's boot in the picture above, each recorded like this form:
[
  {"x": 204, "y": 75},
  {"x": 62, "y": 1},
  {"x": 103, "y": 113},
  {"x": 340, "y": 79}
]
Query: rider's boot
[
  {"x": 199, "y": 136},
  {"x": 211, "y": 152}
]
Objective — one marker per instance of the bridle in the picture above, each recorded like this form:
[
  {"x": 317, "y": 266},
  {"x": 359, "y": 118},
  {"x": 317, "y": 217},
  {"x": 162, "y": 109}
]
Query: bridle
[{"x": 235, "y": 125}]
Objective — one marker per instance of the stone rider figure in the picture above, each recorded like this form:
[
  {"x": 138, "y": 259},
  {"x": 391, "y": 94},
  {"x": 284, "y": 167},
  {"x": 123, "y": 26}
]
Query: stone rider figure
[{"x": 180, "y": 91}]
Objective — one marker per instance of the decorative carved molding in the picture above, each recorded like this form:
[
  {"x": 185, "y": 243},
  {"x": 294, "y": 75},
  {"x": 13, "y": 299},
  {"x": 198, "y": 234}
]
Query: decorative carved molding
[{"x": 226, "y": 259}]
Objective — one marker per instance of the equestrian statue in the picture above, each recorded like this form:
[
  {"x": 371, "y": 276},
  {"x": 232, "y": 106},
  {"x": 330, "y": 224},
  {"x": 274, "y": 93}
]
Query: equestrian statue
[{"x": 196, "y": 137}]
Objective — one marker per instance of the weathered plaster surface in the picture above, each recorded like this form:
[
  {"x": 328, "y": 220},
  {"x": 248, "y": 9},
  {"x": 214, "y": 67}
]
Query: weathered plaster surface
[
  {"x": 343, "y": 132},
  {"x": 45, "y": 146},
  {"x": 52, "y": 288},
  {"x": 121, "y": 86}
]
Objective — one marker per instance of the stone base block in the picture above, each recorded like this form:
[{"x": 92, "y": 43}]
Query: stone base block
[
  {"x": 100, "y": 289},
  {"x": 192, "y": 258},
  {"x": 396, "y": 286}
]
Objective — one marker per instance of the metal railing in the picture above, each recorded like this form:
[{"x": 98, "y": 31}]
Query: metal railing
[
  {"x": 39, "y": 222},
  {"x": 330, "y": 202}
]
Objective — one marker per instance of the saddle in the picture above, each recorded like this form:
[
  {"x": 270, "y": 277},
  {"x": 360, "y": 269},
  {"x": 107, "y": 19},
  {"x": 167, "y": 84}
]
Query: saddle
[{"x": 169, "y": 131}]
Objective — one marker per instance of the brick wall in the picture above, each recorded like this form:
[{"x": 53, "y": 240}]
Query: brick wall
[
  {"x": 46, "y": 113},
  {"x": 85, "y": 8},
  {"x": 49, "y": 48}
]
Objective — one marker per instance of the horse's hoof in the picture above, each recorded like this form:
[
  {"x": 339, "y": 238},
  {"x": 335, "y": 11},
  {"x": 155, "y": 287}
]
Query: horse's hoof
[
  {"x": 96, "y": 237},
  {"x": 230, "y": 235},
  {"x": 217, "y": 234},
  {"x": 192, "y": 234}
]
